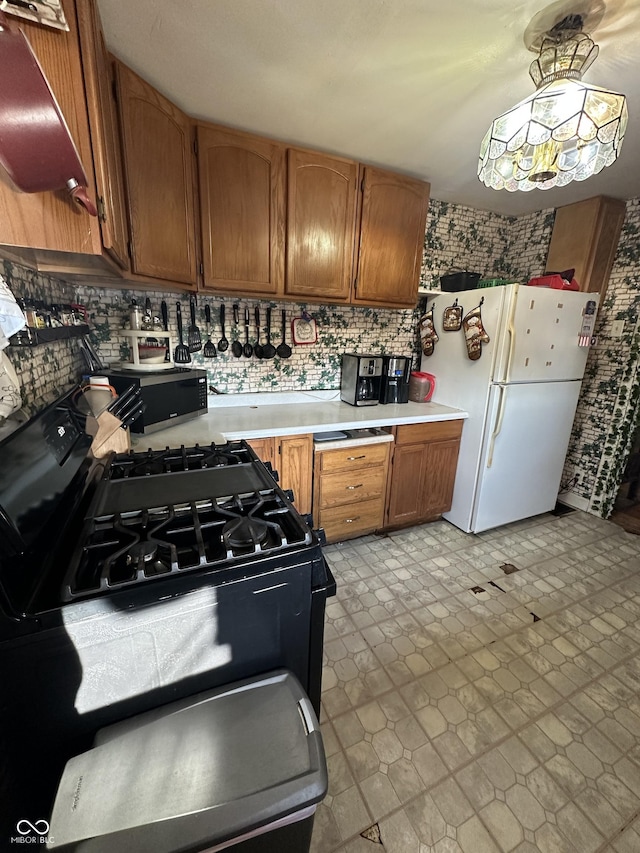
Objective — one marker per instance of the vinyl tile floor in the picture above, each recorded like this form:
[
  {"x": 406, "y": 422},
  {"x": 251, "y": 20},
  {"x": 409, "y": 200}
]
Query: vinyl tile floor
[{"x": 481, "y": 693}]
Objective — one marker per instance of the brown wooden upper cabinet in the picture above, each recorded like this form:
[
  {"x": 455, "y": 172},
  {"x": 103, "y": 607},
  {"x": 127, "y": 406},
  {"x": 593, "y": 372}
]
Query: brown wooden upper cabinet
[
  {"x": 585, "y": 238},
  {"x": 242, "y": 199},
  {"x": 159, "y": 174},
  {"x": 321, "y": 212},
  {"x": 48, "y": 229},
  {"x": 392, "y": 226},
  {"x": 105, "y": 139}
]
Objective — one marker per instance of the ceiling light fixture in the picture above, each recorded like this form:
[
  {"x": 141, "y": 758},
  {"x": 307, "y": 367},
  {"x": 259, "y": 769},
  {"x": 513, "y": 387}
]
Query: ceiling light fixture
[{"x": 567, "y": 130}]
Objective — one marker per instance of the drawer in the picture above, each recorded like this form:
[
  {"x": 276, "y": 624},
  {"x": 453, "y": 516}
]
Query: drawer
[
  {"x": 352, "y": 458},
  {"x": 349, "y": 487},
  {"x": 344, "y": 522},
  {"x": 434, "y": 431}
]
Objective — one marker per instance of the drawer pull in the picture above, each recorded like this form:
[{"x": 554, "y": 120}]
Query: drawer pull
[
  {"x": 351, "y": 520},
  {"x": 353, "y": 458},
  {"x": 351, "y": 488}
]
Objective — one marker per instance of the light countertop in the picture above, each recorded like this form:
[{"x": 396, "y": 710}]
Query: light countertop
[{"x": 263, "y": 415}]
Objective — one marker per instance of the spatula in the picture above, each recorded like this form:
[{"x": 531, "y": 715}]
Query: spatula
[
  {"x": 181, "y": 354},
  {"x": 284, "y": 350},
  {"x": 209, "y": 350},
  {"x": 193, "y": 337}
]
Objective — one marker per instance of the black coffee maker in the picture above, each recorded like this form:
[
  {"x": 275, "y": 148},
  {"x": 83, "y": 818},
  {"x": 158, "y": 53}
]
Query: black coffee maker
[{"x": 394, "y": 386}]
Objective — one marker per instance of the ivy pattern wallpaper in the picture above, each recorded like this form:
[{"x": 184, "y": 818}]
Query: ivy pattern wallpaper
[{"x": 456, "y": 237}]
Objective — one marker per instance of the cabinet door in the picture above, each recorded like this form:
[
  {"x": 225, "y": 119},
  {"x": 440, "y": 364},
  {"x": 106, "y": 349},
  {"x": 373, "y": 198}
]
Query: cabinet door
[
  {"x": 440, "y": 463},
  {"x": 294, "y": 463},
  {"x": 265, "y": 448},
  {"x": 105, "y": 139},
  {"x": 406, "y": 500},
  {"x": 242, "y": 211},
  {"x": 158, "y": 157},
  {"x": 321, "y": 209},
  {"x": 394, "y": 212},
  {"x": 585, "y": 238},
  {"x": 52, "y": 220}
]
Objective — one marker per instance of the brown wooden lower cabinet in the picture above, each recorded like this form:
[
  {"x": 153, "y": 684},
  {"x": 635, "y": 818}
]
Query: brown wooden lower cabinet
[
  {"x": 292, "y": 457},
  {"x": 423, "y": 472},
  {"x": 362, "y": 488},
  {"x": 349, "y": 487}
]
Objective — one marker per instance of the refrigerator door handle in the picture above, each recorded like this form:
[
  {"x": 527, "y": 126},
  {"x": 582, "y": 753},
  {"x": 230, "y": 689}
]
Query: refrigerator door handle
[
  {"x": 498, "y": 425},
  {"x": 511, "y": 329}
]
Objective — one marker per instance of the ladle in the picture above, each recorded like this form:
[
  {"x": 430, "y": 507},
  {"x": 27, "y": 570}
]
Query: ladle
[
  {"x": 257, "y": 350},
  {"x": 268, "y": 350}
]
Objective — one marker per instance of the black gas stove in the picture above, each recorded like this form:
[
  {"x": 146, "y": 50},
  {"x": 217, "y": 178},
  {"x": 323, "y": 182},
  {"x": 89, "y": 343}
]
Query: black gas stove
[
  {"x": 164, "y": 513},
  {"x": 133, "y": 582}
]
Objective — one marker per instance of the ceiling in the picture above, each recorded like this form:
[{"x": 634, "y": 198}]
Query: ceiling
[{"x": 411, "y": 85}]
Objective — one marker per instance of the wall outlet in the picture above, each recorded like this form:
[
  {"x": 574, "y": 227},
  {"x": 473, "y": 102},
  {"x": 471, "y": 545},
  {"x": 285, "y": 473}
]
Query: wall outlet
[{"x": 617, "y": 328}]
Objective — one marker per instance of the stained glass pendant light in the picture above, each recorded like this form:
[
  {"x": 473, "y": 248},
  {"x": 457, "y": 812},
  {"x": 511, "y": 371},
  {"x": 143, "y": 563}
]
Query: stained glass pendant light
[{"x": 567, "y": 130}]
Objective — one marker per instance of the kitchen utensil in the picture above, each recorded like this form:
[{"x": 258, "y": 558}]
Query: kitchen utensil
[
  {"x": 209, "y": 350},
  {"x": 268, "y": 350},
  {"x": 247, "y": 349},
  {"x": 119, "y": 402},
  {"x": 194, "y": 340},
  {"x": 182, "y": 354},
  {"x": 132, "y": 415},
  {"x": 165, "y": 315},
  {"x": 284, "y": 350},
  {"x": 257, "y": 350},
  {"x": 236, "y": 346},
  {"x": 223, "y": 343},
  {"x": 36, "y": 148}
]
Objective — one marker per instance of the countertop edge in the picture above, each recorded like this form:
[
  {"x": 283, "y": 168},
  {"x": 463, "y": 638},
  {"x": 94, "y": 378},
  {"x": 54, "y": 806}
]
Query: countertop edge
[{"x": 233, "y": 435}]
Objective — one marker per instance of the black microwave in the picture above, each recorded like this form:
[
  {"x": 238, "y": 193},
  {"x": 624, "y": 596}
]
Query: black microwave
[{"x": 171, "y": 396}]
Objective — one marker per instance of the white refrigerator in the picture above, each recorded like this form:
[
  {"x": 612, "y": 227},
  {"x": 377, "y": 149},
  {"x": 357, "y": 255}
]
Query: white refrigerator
[{"x": 521, "y": 396}]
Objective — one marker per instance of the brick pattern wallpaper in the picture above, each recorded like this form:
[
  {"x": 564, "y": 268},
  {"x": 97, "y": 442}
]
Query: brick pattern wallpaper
[{"x": 608, "y": 410}]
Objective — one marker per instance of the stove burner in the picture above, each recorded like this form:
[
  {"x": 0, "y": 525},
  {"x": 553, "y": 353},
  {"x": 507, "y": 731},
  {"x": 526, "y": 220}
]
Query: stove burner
[
  {"x": 153, "y": 462},
  {"x": 245, "y": 532},
  {"x": 144, "y": 550},
  {"x": 219, "y": 459}
]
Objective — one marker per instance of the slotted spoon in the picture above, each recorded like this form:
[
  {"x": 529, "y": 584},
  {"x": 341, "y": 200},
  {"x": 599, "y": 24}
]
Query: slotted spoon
[
  {"x": 223, "y": 343},
  {"x": 209, "y": 350},
  {"x": 236, "y": 346},
  {"x": 181, "y": 354}
]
